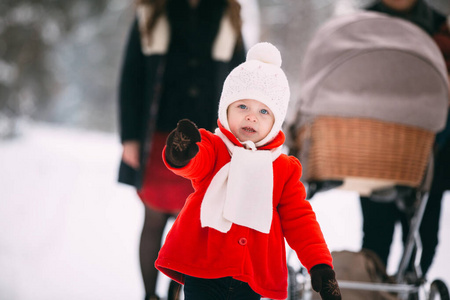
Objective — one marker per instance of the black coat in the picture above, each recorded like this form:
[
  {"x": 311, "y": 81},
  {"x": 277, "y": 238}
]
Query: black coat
[
  {"x": 421, "y": 14},
  {"x": 145, "y": 105}
]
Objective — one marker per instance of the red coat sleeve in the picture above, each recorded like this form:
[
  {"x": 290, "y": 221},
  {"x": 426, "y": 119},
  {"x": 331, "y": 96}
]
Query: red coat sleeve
[{"x": 299, "y": 223}]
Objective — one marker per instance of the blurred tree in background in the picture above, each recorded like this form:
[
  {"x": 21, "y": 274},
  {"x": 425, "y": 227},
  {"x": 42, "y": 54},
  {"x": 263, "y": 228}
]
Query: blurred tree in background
[{"x": 60, "y": 60}]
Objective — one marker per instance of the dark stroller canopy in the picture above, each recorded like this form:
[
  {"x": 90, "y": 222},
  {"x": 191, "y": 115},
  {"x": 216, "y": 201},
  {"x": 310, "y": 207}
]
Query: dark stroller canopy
[{"x": 371, "y": 65}]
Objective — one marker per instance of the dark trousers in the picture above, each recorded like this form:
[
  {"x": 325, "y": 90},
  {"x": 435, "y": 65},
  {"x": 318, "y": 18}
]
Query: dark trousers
[
  {"x": 225, "y": 288},
  {"x": 379, "y": 221},
  {"x": 379, "y": 218}
]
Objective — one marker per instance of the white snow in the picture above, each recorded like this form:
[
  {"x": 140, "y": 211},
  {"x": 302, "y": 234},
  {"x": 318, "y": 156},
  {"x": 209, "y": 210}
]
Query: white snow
[{"x": 70, "y": 231}]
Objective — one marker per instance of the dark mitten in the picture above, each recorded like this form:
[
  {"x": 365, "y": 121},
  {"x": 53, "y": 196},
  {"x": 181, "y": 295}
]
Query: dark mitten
[
  {"x": 181, "y": 144},
  {"x": 323, "y": 281}
]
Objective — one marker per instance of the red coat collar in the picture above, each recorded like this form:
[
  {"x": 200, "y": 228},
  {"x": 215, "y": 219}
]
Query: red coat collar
[{"x": 276, "y": 142}]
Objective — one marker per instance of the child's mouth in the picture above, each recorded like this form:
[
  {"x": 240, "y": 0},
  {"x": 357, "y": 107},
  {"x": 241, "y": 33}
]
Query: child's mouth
[{"x": 249, "y": 129}]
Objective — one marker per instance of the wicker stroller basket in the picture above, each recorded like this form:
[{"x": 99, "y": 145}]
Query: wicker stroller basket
[
  {"x": 356, "y": 147},
  {"x": 374, "y": 94}
]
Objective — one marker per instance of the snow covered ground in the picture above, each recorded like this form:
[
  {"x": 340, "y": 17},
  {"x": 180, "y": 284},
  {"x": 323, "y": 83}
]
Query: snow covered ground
[{"x": 69, "y": 231}]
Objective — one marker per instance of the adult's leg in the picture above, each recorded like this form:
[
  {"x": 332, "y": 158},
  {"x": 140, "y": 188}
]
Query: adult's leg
[
  {"x": 150, "y": 244},
  {"x": 378, "y": 226},
  {"x": 429, "y": 229}
]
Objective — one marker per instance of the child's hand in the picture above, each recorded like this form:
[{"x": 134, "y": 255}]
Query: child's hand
[
  {"x": 181, "y": 144},
  {"x": 323, "y": 280}
]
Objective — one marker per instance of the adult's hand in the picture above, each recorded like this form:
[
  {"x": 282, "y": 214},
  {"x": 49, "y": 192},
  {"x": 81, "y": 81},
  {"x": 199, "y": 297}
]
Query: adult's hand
[{"x": 130, "y": 154}]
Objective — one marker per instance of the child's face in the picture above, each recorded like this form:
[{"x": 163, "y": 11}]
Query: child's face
[
  {"x": 250, "y": 120},
  {"x": 399, "y": 5}
]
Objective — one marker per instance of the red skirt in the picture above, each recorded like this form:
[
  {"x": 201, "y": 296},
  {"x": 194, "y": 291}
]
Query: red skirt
[{"x": 162, "y": 190}]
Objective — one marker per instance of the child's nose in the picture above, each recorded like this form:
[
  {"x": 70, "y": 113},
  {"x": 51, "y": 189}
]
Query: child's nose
[{"x": 251, "y": 118}]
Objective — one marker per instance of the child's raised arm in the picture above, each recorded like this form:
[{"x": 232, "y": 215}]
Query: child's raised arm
[{"x": 181, "y": 144}]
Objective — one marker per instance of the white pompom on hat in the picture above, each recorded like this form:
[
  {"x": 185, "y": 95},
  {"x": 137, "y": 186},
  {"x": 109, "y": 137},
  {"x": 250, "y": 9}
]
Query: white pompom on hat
[{"x": 259, "y": 78}]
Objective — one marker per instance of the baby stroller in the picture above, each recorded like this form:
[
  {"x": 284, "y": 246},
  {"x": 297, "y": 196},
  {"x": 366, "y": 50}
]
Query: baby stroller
[{"x": 374, "y": 94}]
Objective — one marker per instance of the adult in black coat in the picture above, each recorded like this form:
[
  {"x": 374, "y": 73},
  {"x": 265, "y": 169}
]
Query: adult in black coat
[
  {"x": 379, "y": 218},
  {"x": 177, "y": 57}
]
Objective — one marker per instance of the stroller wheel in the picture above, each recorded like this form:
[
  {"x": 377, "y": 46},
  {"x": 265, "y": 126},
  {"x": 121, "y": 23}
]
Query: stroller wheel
[{"x": 439, "y": 290}]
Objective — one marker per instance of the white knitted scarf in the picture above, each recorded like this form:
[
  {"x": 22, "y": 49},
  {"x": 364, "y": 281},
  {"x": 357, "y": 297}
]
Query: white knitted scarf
[{"x": 241, "y": 192}]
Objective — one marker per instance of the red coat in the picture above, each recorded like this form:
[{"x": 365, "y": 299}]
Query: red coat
[{"x": 243, "y": 253}]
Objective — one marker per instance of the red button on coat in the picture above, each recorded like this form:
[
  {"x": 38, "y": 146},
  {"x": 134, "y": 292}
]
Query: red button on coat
[{"x": 242, "y": 241}]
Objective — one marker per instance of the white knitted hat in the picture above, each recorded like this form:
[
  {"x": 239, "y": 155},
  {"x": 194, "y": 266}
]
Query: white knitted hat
[{"x": 259, "y": 78}]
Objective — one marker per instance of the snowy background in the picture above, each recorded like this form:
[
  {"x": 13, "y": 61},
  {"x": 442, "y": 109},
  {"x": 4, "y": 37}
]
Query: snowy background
[{"x": 69, "y": 231}]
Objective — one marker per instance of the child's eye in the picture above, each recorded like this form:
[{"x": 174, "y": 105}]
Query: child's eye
[
  {"x": 264, "y": 111},
  {"x": 242, "y": 106}
]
